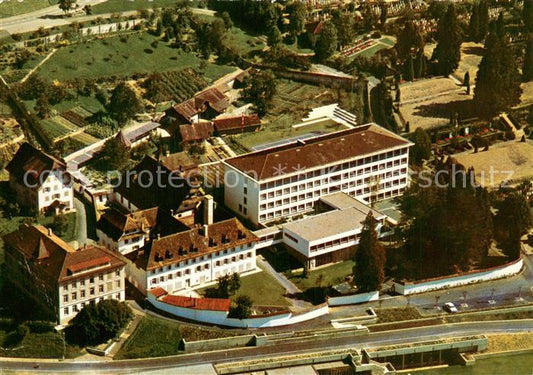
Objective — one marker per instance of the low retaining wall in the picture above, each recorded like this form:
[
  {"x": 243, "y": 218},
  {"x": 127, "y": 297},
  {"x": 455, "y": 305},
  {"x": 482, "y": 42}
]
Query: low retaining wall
[
  {"x": 509, "y": 269},
  {"x": 353, "y": 299},
  {"x": 221, "y": 317},
  {"x": 217, "y": 344}
]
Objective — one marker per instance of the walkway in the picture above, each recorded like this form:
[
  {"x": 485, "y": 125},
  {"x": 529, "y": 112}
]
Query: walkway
[
  {"x": 81, "y": 222},
  {"x": 289, "y": 286},
  {"x": 38, "y": 65}
]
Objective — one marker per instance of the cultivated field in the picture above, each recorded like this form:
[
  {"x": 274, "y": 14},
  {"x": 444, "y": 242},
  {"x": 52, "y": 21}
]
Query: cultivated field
[{"x": 515, "y": 157}]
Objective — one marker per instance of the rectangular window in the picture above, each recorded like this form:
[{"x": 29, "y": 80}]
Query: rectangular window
[
  {"x": 101, "y": 288},
  {"x": 65, "y": 298},
  {"x": 82, "y": 294},
  {"x": 65, "y": 310},
  {"x": 74, "y": 296}
]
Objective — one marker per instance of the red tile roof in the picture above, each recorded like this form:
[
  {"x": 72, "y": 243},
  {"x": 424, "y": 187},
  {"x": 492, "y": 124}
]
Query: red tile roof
[
  {"x": 212, "y": 97},
  {"x": 30, "y": 159},
  {"x": 236, "y": 122},
  {"x": 158, "y": 292},
  {"x": 196, "y": 132},
  {"x": 55, "y": 258},
  {"x": 191, "y": 244},
  {"x": 315, "y": 152},
  {"x": 213, "y": 304}
]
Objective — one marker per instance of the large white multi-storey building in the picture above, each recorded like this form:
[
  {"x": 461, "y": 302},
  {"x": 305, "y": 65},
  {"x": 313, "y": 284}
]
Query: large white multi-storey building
[
  {"x": 193, "y": 258},
  {"x": 368, "y": 162}
]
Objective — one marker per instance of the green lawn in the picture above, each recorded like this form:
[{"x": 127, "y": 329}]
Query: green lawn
[
  {"x": 331, "y": 275},
  {"x": 111, "y": 56},
  {"x": 153, "y": 337},
  {"x": 112, "y": 6},
  {"x": 10, "y": 8},
  {"x": 38, "y": 345},
  {"x": 263, "y": 289},
  {"x": 243, "y": 41}
]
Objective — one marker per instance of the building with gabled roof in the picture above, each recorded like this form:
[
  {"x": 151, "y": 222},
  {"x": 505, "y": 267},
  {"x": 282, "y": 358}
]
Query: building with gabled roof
[
  {"x": 237, "y": 124},
  {"x": 193, "y": 257},
  {"x": 368, "y": 162},
  {"x": 40, "y": 181},
  {"x": 208, "y": 103},
  {"x": 56, "y": 276}
]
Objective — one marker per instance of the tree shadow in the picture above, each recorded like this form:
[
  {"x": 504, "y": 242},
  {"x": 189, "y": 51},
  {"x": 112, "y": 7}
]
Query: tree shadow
[
  {"x": 465, "y": 109},
  {"x": 479, "y": 51}
]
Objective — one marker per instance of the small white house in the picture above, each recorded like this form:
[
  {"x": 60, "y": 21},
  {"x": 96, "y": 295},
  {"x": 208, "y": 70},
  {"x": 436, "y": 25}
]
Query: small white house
[{"x": 40, "y": 181}]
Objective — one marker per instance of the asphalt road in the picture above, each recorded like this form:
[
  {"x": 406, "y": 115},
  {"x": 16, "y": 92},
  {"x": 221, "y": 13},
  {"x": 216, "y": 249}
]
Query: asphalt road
[{"x": 370, "y": 340}]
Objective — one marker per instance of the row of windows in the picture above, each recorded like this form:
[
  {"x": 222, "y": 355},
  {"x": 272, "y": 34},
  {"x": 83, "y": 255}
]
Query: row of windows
[
  {"x": 82, "y": 293},
  {"x": 200, "y": 259},
  {"x": 321, "y": 192},
  {"x": 47, "y": 198},
  {"x": 309, "y": 205},
  {"x": 327, "y": 245},
  {"x": 92, "y": 279},
  {"x": 76, "y": 309},
  {"x": 200, "y": 268},
  {"x": 342, "y": 176},
  {"x": 335, "y": 168}
]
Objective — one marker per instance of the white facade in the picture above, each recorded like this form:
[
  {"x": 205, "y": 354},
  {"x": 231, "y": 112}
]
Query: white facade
[
  {"x": 73, "y": 295},
  {"x": 56, "y": 187},
  {"x": 123, "y": 245},
  {"x": 377, "y": 176},
  {"x": 194, "y": 272}
]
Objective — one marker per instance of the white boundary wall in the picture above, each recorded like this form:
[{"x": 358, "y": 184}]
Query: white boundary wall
[
  {"x": 475, "y": 277},
  {"x": 353, "y": 299},
  {"x": 221, "y": 317}
]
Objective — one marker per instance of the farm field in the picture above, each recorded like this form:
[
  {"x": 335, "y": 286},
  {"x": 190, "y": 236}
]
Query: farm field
[
  {"x": 122, "y": 56},
  {"x": 15, "y": 7},
  {"x": 181, "y": 85}
]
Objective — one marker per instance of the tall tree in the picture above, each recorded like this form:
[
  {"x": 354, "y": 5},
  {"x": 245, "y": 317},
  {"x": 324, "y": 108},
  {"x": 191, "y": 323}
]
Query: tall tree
[
  {"x": 123, "y": 104},
  {"x": 66, "y": 5},
  {"x": 327, "y": 41},
  {"x": 297, "y": 16},
  {"x": 527, "y": 15},
  {"x": 422, "y": 148},
  {"x": 409, "y": 46},
  {"x": 370, "y": 258},
  {"x": 513, "y": 220},
  {"x": 274, "y": 37},
  {"x": 448, "y": 51},
  {"x": 383, "y": 14},
  {"x": 260, "y": 90},
  {"x": 42, "y": 106},
  {"x": 479, "y": 21},
  {"x": 527, "y": 66},
  {"x": 498, "y": 80}
]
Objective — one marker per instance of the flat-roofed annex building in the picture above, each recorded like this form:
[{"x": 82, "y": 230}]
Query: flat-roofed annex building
[
  {"x": 193, "y": 258},
  {"x": 368, "y": 162},
  {"x": 59, "y": 278},
  {"x": 330, "y": 236}
]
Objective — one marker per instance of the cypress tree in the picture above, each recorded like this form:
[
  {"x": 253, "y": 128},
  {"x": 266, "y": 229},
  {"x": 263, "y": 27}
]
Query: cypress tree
[
  {"x": 527, "y": 67},
  {"x": 473, "y": 27},
  {"x": 498, "y": 80},
  {"x": 483, "y": 14},
  {"x": 370, "y": 258},
  {"x": 327, "y": 42},
  {"x": 448, "y": 50},
  {"x": 527, "y": 15},
  {"x": 422, "y": 148}
]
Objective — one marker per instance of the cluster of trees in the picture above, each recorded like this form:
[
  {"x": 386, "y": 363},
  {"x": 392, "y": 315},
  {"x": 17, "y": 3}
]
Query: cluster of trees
[
  {"x": 410, "y": 51},
  {"x": 98, "y": 322},
  {"x": 227, "y": 286},
  {"x": 123, "y": 104},
  {"x": 512, "y": 220},
  {"x": 446, "y": 228},
  {"x": 260, "y": 90}
]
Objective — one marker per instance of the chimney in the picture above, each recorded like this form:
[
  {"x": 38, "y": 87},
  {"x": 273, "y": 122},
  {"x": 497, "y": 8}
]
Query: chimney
[
  {"x": 159, "y": 236},
  {"x": 50, "y": 231},
  {"x": 167, "y": 154},
  {"x": 208, "y": 209},
  {"x": 206, "y": 231}
]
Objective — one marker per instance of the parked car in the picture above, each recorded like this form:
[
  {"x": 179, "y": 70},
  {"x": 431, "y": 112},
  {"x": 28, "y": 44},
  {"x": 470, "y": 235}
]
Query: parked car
[{"x": 450, "y": 307}]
